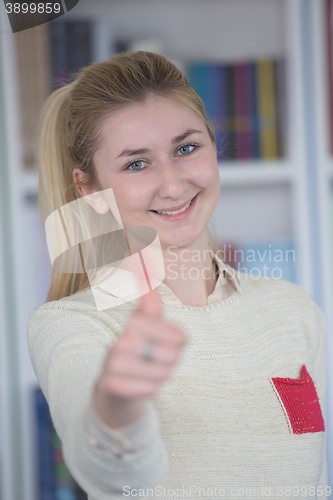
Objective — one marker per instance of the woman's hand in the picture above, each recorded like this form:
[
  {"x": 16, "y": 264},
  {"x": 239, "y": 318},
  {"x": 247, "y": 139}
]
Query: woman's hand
[{"x": 127, "y": 379}]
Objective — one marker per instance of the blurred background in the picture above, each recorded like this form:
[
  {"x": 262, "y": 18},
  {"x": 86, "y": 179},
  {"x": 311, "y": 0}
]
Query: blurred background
[{"x": 264, "y": 69}]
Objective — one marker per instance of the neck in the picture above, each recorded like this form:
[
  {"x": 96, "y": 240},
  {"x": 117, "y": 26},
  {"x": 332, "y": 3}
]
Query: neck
[{"x": 190, "y": 272}]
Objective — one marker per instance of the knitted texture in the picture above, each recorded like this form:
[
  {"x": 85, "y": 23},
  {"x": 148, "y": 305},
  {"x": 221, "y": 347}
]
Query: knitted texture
[
  {"x": 300, "y": 402},
  {"x": 221, "y": 422}
]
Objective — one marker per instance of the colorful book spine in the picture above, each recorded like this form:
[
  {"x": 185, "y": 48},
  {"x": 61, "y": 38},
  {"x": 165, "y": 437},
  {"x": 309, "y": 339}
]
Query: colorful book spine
[
  {"x": 64, "y": 483},
  {"x": 219, "y": 108},
  {"x": 45, "y": 447},
  {"x": 243, "y": 111},
  {"x": 230, "y": 143},
  {"x": 79, "y": 38},
  {"x": 267, "y": 109},
  {"x": 60, "y": 76},
  {"x": 199, "y": 76},
  {"x": 54, "y": 479},
  {"x": 254, "y": 111},
  {"x": 245, "y": 103},
  {"x": 282, "y": 108},
  {"x": 71, "y": 49}
]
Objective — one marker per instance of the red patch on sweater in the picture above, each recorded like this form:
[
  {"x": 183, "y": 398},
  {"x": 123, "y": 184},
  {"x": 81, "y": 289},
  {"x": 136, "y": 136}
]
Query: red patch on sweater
[{"x": 300, "y": 402}]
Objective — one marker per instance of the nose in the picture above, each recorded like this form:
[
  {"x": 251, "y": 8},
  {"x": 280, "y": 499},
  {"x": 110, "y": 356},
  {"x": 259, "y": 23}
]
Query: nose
[{"x": 171, "y": 180}]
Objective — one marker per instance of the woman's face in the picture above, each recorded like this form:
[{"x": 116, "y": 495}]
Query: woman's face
[{"x": 157, "y": 156}]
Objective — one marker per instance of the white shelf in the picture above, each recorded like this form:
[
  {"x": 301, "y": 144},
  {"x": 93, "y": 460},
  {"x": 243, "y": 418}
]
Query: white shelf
[{"x": 251, "y": 173}]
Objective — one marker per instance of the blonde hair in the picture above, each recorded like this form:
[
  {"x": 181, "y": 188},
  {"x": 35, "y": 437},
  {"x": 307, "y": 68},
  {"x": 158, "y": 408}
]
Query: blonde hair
[{"x": 70, "y": 132}]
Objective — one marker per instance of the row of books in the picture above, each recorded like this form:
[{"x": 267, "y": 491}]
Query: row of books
[
  {"x": 54, "y": 481},
  {"x": 245, "y": 103},
  {"x": 71, "y": 49},
  {"x": 271, "y": 259}
]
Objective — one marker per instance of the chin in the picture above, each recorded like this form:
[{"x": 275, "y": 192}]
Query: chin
[{"x": 181, "y": 239}]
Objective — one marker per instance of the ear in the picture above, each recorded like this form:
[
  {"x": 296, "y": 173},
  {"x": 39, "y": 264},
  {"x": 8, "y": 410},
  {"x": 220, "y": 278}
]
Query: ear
[{"x": 94, "y": 198}]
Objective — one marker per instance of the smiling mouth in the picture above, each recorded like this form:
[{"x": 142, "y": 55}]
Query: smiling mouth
[{"x": 174, "y": 212}]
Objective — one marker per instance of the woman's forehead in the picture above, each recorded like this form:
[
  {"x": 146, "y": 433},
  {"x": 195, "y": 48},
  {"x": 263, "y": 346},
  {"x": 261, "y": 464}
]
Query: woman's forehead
[{"x": 156, "y": 114}]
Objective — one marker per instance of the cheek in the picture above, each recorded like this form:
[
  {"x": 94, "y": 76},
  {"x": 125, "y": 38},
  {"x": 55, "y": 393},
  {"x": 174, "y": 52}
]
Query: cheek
[
  {"x": 131, "y": 198},
  {"x": 207, "y": 173}
]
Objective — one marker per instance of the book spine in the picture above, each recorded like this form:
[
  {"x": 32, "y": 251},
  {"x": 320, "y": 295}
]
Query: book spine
[
  {"x": 254, "y": 111},
  {"x": 281, "y": 106},
  {"x": 46, "y": 478},
  {"x": 71, "y": 49},
  {"x": 218, "y": 91},
  {"x": 79, "y": 45},
  {"x": 230, "y": 143},
  {"x": 80, "y": 494},
  {"x": 243, "y": 118},
  {"x": 199, "y": 75},
  {"x": 65, "y": 486},
  {"x": 60, "y": 75},
  {"x": 267, "y": 109}
]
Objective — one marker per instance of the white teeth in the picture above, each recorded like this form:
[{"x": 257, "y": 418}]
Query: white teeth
[{"x": 174, "y": 213}]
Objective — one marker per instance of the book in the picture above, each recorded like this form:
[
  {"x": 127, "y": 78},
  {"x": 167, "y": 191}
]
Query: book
[
  {"x": 54, "y": 479},
  {"x": 254, "y": 111},
  {"x": 219, "y": 108},
  {"x": 71, "y": 49},
  {"x": 243, "y": 111},
  {"x": 230, "y": 143},
  {"x": 281, "y": 106},
  {"x": 200, "y": 77},
  {"x": 45, "y": 465},
  {"x": 267, "y": 109}
]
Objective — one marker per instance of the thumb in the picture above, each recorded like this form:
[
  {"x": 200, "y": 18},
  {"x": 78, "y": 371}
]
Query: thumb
[{"x": 150, "y": 304}]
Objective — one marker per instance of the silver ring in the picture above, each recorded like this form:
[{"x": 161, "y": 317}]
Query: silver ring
[{"x": 147, "y": 349}]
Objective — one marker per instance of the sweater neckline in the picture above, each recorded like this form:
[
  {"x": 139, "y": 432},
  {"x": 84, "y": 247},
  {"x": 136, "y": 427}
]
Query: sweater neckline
[{"x": 209, "y": 307}]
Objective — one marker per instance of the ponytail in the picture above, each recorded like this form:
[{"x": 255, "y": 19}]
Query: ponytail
[
  {"x": 54, "y": 158},
  {"x": 55, "y": 179}
]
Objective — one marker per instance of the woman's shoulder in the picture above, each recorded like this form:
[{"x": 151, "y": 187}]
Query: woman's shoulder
[
  {"x": 82, "y": 301},
  {"x": 79, "y": 308},
  {"x": 251, "y": 283},
  {"x": 282, "y": 297}
]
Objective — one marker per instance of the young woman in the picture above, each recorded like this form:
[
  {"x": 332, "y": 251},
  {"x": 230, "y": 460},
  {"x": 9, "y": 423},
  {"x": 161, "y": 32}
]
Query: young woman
[{"x": 213, "y": 383}]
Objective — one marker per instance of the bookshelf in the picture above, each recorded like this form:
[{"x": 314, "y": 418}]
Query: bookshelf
[
  {"x": 268, "y": 172},
  {"x": 287, "y": 198}
]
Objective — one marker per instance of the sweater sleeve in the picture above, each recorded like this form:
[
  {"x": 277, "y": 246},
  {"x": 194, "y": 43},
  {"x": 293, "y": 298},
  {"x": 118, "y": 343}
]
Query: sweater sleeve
[
  {"x": 319, "y": 366},
  {"x": 67, "y": 347},
  {"x": 317, "y": 348}
]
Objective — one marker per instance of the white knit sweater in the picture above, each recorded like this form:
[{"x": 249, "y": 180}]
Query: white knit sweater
[{"x": 220, "y": 427}]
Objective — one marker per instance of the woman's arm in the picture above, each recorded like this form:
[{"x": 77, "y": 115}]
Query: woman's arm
[
  {"x": 67, "y": 347},
  {"x": 319, "y": 366}
]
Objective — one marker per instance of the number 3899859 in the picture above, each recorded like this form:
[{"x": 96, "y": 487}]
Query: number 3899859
[{"x": 33, "y": 8}]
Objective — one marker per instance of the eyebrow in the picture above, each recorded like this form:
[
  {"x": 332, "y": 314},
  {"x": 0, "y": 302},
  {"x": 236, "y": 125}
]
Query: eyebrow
[{"x": 175, "y": 140}]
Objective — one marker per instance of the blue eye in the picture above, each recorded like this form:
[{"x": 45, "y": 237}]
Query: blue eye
[
  {"x": 135, "y": 164},
  {"x": 184, "y": 149}
]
